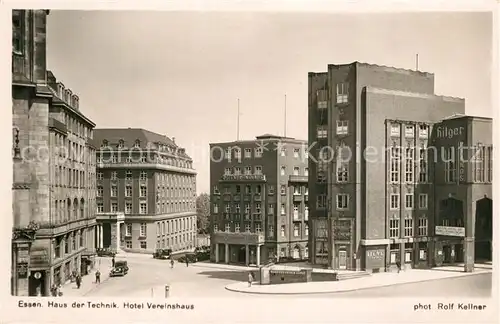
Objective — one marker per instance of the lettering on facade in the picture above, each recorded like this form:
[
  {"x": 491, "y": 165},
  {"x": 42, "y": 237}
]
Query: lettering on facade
[
  {"x": 449, "y": 132},
  {"x": 450, "y": 231},
  {"x": 39, "y": 258},
  {"x": 375, "y": 254},
  {"x": 285, "y": 272},
  {"x": 243, "y": 177}
]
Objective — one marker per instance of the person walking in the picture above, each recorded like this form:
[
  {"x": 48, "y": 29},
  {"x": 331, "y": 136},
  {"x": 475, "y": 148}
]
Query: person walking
[
  {"x": 250, "y": 279},
  {"x": 78, "y": 280},
  {"x": 171, "y": 263},
  {"x": 187, "y": 261},
  {"x": 98, "y": 277},
  {"x": 113, "y": 261},
  {"x": 398, "y": 265}
]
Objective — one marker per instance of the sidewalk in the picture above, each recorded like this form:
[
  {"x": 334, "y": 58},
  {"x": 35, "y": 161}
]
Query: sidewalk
[
  {"x": 222, "y": 266},
  {"x": 374, "y": 281},
  {"x": 88, "y": 281}
]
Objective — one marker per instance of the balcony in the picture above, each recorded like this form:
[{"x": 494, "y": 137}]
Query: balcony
[
  {"x": 227, "y": 197},
  {"x": 247, "y": 198},
  {"x": 237, "y": 238},
  {"x": 243, "y": 178},
  {"x": 257, "y": 216},
  {"x": 298, "y": 198},
  {"x": 257, "y": 197},
  {"x": 57, "y": 125},
  {"x": 237, "y": 198},
  {"x": 297, "y": 179}
]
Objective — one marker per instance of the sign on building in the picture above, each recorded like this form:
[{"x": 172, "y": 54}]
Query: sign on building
[{"x": 450, "y": 231}]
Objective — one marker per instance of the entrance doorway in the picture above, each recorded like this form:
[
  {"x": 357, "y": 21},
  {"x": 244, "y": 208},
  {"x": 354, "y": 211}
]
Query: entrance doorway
[
  {"x": 241, "y": 255},
  {"x": 483, "y": 230},
  {"x": 342, "y": 260},
  {"x": 37, "y": 283},
  {"x": 447, "y": 254}
]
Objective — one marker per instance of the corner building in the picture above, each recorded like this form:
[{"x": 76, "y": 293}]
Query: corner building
[
  {"x": 372, "y": 193},
  {"x": 259, "y": 210},
  {"x": 146, "y": 192},
  {"x": 54, "y": 168}
]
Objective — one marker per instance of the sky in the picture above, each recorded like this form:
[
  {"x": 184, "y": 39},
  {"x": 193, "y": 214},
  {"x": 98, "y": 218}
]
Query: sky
[{"x": 181, "y": 73}]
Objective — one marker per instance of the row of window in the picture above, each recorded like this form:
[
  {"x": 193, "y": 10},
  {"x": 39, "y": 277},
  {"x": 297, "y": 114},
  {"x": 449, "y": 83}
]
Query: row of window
[
  {"x": 341, "y": 129},
  {"x": 143, "y": 207},
  {"x": 257, "y": 189},
  {"x": 175, "y": 225},
  {"x": 258, "y": 209},
  {"x": 143, "y": 192},
  {"x": 342, "y": 201},
  {"x": 134, "y": 158},
  {"x": 423, "y": 200},
  {"x": 257, "y": 228},
  {"x": 258, "y": 152},
  {"x": 67, "y": 210},
  {"x": 342, "y": 95},
  {"x": 258, "y": 171},
  {"x": 70, "y": 177},
  {"x": 65, "y": 244},
  {"x": 409, "y": 130},
  {"x": 394, "y": 227}
]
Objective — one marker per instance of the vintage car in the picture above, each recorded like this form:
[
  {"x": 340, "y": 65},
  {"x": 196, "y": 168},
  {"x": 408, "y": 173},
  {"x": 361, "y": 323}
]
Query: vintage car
[
  {"x": 117, "y": 272},
  {"x": 162, "y": 254},
  {"x": 105, "y": 252},
  {"x": 202, "y": 253},
  {"x": 122, "y": 264}
]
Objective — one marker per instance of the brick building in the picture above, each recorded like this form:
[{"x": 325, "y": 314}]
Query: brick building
[
  {"x": 259, "y": 200},
  {"x": 372, "y": 196},
  {"x": 146, "y": 192},
  {"x": 53, "y": 166}
]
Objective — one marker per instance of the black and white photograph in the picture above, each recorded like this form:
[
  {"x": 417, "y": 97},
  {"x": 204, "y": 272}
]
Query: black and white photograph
[{"x": 246, "y": 155}]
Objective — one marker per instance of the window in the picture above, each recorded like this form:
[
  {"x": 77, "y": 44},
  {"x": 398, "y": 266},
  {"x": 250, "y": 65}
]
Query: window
[
  {"x": 394, "y": 201},
  {"x": 114, "y": 175},
  {"x": 409, "y": 201},
  {"x": 296, "y": 153},
  {"x": 283, "y": 189},
  {"x": 282, "y": 231},
  {"x": 322, "y": 131},
  {"x": 143, "y": 208},
  {"x": 237, "y": 208},
  {"x": 306, "y": 172},
  {"x": 216, "y": 190},
  {"x": 409, "y": 131},
  {"x": 128, "y": 159},
  {"x": 227, "y": 171},
  {"x": 479, "y": 163},
  {"x": 283, "y": 170},
  {"x": 422, "y": 226},
  {"x": 237, "y": 153},
  {"x": 258, "y": 208},
  {"x": 228, "y": 228},
  {"x": 395, "y": 130},
  {"x": 143, "y": 229},
  {"x": 422, "y": 201},
  {"x": 216, "y": 228},
  {"x": 99, "y": 175},
  {"x": 296, "y": 230},
  {"x": 296, "y": 171},
  {"x": 128, "y": 191},
  {"x": 128, "y": 175},
  {"x": 100, "y": 207},
  {"x": 248, "y": 153},
  {"x": 258, "y": 170},
  {"x": 100, "y": 191},
  {"x": 394, "y": 228},
  {"x": 394, "y": 160},
  {"x": 295, "y": 211},
  {"x": 143, "y": 159},
  {"x": 128, "y": 244},
  {"x": 144, "y": 191},
  {"x": 342, "y": 127},
  {"x": 247, "y": 228},
  {"x": 128, "y": 230},
  {"x": 143, "y": 175},
  {"x": 270, "y": 209},
  {"x": 321, "y": 201},
  {"x": 248, "y": 189},
  {"x": 128, "y": 208},
  {"x": 144, "y": 245},
  {"x": 114, "y": 207},
  {"x": 283, "y": 209},
  {"x": 270, "y": 231},
  {"x": 248, "y": 170},
  {"x": 271, "y": 190},
  {"x": 408, "y": 225},
  {"x": 258, "y": 152},
  {"x": 321, "y": 172},
  {"x": 227, "y": 153},
  {"x": 342, "y": 172},
  {"x": 258, "y": 228},
  {"x": 283, "y": 151},
  {"x": 423, "y": 131},
  {"x": 296, "y": 191},
  {"x": 306, "y": 212},
  {"x": 450, "y": 167},
  {"x": 237, "y": 171},
  {"x": 238, "y": 189},
  {"x": 342, "y": 92},
  {"x": 114, "y": 158},
  {"x": 423, "y": 171},
  {"x": 342, "y": 201},
  {"x": 247, "y": 209},
  {"x": 237, "y": 228},
  {"x": 409, "y": 165},
  {"x": 306, "y": 230}
]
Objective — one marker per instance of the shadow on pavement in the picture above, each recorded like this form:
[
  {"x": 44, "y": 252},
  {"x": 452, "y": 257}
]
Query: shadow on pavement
[{"x": 230, "y": 275}]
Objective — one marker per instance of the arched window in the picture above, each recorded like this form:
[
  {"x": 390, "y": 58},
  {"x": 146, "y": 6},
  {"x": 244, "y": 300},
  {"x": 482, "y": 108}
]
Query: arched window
[
  {"x": 75, "y": 209},
  {"x": 68, "y": 210},
  {"x": 82, "y": 208}
]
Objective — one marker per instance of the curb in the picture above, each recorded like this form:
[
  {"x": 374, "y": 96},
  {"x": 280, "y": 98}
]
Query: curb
[
  {"x": 350, "y": 289},
  {"x": 95, "y": 287}
]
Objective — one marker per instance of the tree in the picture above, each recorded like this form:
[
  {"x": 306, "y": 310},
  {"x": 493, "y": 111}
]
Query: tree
[{"x": 203, "y": 212}]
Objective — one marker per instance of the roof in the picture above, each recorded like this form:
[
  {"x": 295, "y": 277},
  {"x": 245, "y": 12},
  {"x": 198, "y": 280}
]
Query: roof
[
  {"x": 458, "y": 116},
  {"x": 129, "y": 136},
  {"x": 271, "y": 136}
]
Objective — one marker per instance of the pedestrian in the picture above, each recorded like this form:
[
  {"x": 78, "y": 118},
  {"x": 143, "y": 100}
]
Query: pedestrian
[
  {"x": 250, "y": 279},
  {"x": 187, "y": 261},
  {"x": 398, "y": 265},
  {"x": 98, "y": 277},
  {"x": 53, "y": 290},
  {"x": 59, "y": 292},
  {"x": 171, "y": 263},
  {"x": 78, "y": 281},
  {"x": 113, "y": 261}
]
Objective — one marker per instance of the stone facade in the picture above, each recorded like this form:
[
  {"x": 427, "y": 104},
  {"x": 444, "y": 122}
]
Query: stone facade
[{"x": 53, "y": 167}]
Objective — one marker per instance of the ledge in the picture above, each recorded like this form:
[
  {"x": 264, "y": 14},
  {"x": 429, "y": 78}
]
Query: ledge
[{"x": 141, "y": 165}]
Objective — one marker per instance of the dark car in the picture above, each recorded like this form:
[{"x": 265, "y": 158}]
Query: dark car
[
  {"x": 117, "y": 272},
  {"x": 121, "y": 264},
  {"x": 162, "y": 254},
  {"x": 202, "y": 253},
  {"x": 105, "y": 252}
]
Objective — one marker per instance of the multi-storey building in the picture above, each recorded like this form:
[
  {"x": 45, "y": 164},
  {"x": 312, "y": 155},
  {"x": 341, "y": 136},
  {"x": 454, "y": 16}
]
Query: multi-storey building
[
  {"x": 369, "y": 190},
  {"x": 146, "y": 192},
  {"x": 259, "y": 200},
  {"x": 54, "y": 168}
]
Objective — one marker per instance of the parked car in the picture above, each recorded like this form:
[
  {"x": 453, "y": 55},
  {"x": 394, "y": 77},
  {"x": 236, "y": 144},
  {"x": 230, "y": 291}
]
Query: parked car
[
  {"x": 162, "y": 254},
  {"x": 202, "y": 253},
  {"x": 191, "y": 257},
  {"x": 117, "y": 272},
  {"x": 122, "y": 264},
  {"x": 105, "y": 252}
]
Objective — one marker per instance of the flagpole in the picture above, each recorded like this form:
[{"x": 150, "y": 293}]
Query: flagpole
[
  {"x": 238, "y": 122},
  {"x": 285, "y": 119}
]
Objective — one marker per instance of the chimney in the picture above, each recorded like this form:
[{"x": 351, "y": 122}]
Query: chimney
[
  {"x": 67, "y": 98},
  {"x": 75, "y": 101},
  {"x": 60, "y": 90},
  {"x": 173, "y": 139}
]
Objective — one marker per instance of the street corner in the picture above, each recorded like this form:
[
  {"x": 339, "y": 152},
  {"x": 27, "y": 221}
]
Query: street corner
[{"x": 283, "y": 289}]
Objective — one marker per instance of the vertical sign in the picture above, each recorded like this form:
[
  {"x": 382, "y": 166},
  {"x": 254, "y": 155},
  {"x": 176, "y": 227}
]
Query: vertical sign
[{"x": 461, "y": 162}]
